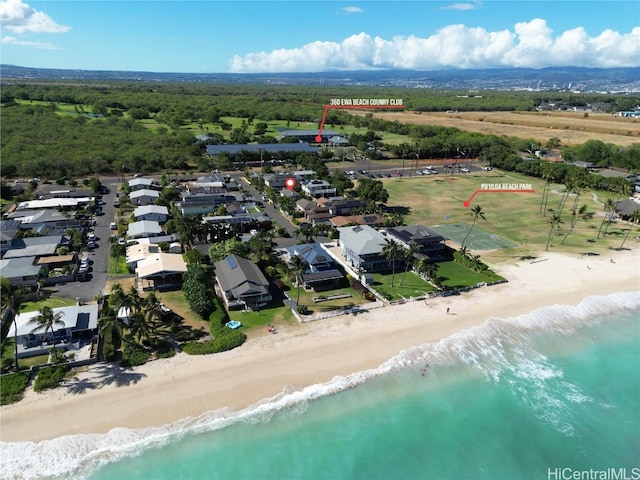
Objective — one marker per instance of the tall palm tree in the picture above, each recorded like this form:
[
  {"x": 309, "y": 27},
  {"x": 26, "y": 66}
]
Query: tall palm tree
[
  {"x": 545, "y": 193},
  {"x": 476, "y": 212},
  {"x": 299, "y": 267},
  {"x": 391, "y": 251},
  {"x": 554, "y": 222},
  {"x": 46, "y": 321},
  {"x": 139, "y": 326},
  {"x": 582, "y": 213},
  {"x": 409, "y": 258},
  {"x": 635, "y": 217},
  {"x": 609, "y": 208},
  {"x": 11, "y": 301}
]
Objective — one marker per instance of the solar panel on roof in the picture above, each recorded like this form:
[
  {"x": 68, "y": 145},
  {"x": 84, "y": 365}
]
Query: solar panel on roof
[
  {"x": 369, "y": 218},
  {"x": 231, "y": 262}
]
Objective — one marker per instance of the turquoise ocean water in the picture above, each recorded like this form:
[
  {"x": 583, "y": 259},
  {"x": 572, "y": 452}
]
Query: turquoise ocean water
[{"x": 534, "y": 397}]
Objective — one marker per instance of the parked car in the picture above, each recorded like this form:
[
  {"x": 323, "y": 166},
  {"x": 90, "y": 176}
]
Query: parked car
[
  {"x": 113, "y": 226},
  {"x": 91, "y": 244},
  {"x": 122, "y": 241}
]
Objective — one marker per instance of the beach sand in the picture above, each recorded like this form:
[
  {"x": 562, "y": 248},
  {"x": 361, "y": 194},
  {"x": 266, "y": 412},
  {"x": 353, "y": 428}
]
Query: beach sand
[{"x": 164, "y": 391}]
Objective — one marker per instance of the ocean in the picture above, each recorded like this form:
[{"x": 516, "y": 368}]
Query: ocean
[{"x": 553, "y": 394}]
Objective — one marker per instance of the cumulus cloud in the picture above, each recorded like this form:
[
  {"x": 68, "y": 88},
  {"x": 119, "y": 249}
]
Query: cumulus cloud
[
  {"x": 26, "y": 43},
  {"x": 529, "y": 44},
  {"x": 19, "y": 17},
  {"x": 350, "y": 10}
]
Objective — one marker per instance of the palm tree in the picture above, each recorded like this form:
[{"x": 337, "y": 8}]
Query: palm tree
[
  {"x": 11, "y": 301},
  {"x": 609, "y": 208},
  {"x": 153, "y": 308},
  {"x": 476, "y": 212},
  {"x": 545, "y": 193},
  {"x": 635, "y": 216},
  {"x": 46, "y": 321},
  {"x": 305, "y": 232},
  {"x": 139, "y": 326},
  {"x": 299, "y": 267},
  {"x": 554, "y": 223},
  {"x": 582, "y": 213},
  {"x": 409, "y": 257},
  {"x": 391, "y": 251}
]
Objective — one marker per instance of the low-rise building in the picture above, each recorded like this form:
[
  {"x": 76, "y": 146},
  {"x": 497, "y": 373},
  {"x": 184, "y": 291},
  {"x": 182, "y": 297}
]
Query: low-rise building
[
  {"x": 157, "y": 213},
  {"x": 362, "y": 247},
  {"x": 241, "y": 284}
]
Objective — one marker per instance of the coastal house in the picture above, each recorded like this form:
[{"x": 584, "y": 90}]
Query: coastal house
[
  {"x": 362, "y": 247},
  {"x": 241, "y": 284},
  {"x": 160, "y": 271},
  {"x": 430, "y": 243},
  {"x": 34, "y": 246},
  {"x": 80, "y": 326},
  {"x": 322, "y": 273},
  {"x": 8, "y": 231}
]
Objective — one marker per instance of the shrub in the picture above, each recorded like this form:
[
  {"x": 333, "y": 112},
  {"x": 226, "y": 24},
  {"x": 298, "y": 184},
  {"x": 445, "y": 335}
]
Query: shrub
[
  {"x": 49, "y": 377},
  {"x": 12, "y": 387},
  {"x": 303, "y": 309},
  {"x": 134, "y": 355}
]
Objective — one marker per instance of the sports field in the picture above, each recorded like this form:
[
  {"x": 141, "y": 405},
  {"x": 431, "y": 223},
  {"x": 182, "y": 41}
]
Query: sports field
[{"x": 477, "y": 239}]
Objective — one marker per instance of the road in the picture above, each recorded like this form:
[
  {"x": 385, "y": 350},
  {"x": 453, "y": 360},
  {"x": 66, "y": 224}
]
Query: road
[{"x": 95, "y": 283}]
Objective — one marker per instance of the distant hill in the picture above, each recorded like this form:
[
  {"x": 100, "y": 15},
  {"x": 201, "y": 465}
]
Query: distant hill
[{"x": 618, "y": 80}]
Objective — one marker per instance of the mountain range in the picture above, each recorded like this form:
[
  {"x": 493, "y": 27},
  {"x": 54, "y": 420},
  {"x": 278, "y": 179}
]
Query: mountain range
[{"x": 579, "y": 79}]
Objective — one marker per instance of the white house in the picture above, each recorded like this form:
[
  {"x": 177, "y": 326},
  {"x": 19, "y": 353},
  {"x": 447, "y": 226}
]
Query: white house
[
  {"x": 79, "y": 322},
  {"x": 144, "y": 197},
  {"x": 144, "y": 228},
  {"x": 157, "y": 213},
  {"x": 141, "y": 184},
  {"x": 318, "y": 188}
]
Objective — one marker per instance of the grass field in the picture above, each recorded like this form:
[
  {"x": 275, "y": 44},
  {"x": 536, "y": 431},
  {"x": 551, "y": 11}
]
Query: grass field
[
  {"x": 514, "y": 217},
  {"x": 571, "y": 128}
]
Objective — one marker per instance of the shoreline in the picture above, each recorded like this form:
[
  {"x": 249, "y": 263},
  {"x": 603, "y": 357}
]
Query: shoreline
[{"x": 165, "y": 391}]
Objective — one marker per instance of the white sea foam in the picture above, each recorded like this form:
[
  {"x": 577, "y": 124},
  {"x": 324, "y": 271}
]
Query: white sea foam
[{"x": 498, "y": 350}]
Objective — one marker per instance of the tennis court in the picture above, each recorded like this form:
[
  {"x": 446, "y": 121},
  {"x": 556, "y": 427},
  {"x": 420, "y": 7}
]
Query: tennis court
[{"x": 477, "y": 240}]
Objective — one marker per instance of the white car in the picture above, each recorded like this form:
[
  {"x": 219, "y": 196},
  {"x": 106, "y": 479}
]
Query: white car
[
  {"x": 122, "y": 241},
  {"x": 465, "y": 170}
]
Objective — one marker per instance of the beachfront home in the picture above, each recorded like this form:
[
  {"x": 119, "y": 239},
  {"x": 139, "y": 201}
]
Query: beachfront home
[
  {"x": 430, "y": 243},
  {"x": 322, "y": 273},
  {"x": 362, "y": 248},
  {"x": 241, "y": 284},
  {"x": 160, "y": 271},
  {"x": 80, "y": 324}
]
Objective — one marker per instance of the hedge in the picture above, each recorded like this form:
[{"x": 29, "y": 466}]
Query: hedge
[
  {"x": 134, "y": 355},
  {"x": 226, "y": 341},
  {"x": 12, "y": 387},
  {"x": 49, "y": 377}
]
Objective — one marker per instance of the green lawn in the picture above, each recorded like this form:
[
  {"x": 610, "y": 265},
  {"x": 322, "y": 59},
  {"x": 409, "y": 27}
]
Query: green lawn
[
  {"x": 53, "y": 302},
  {"x": 118, "y": 266},
  {"x": 411, "y": 286},
  {"x": 459, "y": 276}
]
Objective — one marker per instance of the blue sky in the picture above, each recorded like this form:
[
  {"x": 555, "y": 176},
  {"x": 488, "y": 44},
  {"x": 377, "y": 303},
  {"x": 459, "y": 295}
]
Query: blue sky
[{"x": 298, "y": 35}]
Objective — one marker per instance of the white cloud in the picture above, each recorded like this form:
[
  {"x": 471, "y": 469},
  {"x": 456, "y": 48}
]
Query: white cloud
[
  {"x": 462, "y": 6},
  {"x": 529, "y": 44},
  {"x": 18, "y": 17},
  {"x": 350, "y": 10},
  {"x": 26, "y": 43}
]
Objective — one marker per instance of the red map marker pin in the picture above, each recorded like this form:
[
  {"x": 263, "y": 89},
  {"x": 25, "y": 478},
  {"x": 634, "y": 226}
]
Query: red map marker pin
[{"x": 290, "y": 183}]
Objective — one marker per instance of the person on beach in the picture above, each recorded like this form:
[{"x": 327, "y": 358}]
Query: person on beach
[{"x": 447, "y": 309}]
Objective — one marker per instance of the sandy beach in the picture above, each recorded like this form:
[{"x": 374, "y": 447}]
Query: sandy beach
[{"x": 104, "y": 397}]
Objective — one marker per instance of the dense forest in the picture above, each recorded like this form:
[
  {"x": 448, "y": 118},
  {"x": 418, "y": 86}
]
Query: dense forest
[{"x": 68, "y": 130}]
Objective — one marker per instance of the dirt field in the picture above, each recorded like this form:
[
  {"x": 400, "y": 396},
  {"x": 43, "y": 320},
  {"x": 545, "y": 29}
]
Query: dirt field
[{"x": 571, "y": 128}]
